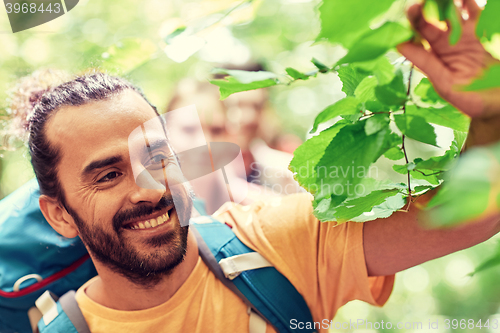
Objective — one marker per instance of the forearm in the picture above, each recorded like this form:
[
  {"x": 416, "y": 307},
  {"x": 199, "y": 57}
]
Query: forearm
[
  {"x": 402, "y": 240},
  {"x": 483, "y": 131}
]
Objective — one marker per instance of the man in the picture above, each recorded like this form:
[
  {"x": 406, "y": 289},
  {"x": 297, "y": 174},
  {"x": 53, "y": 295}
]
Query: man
[
  {"x": 235, "y": 120},
  {"x": 151, "y": 278}
]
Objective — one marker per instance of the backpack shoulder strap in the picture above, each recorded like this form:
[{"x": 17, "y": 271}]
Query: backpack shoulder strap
[
  {"x": 250, "y": 275},
  {"x": 61, "y": 316}
]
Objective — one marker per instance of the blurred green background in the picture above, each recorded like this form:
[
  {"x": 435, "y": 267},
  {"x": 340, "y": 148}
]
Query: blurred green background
[{"x": 127, "y": 37}]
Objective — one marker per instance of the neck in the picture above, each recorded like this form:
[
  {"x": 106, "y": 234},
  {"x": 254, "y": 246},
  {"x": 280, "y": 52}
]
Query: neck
[{"x": 114, "y": 291}]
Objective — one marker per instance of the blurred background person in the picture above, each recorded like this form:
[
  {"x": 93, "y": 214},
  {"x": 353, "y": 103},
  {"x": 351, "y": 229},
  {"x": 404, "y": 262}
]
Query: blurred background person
[{"x": 243, "y": 119}]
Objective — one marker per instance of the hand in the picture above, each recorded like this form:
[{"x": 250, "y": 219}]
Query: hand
[{"x": 451, "y": 66}]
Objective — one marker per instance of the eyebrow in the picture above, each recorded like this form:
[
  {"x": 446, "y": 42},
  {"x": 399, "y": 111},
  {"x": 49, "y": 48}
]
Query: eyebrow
[
  {"x": 99, "y": 164},
  {"x": 161, "y": 143}
]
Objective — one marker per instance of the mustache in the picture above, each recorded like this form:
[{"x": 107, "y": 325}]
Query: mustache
[{"x": 143, "y": 210}]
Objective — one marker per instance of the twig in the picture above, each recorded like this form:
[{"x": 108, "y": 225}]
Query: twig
[
  {"x": 403, "y": 139},
  {"x": 430, "y": 174}
]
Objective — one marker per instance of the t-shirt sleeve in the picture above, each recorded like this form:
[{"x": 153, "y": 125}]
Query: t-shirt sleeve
[{"x": 324, "y": 261}]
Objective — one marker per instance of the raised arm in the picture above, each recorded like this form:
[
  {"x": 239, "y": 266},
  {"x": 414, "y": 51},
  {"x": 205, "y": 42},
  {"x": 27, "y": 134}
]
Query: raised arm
[{"x": 401, "y": 241}]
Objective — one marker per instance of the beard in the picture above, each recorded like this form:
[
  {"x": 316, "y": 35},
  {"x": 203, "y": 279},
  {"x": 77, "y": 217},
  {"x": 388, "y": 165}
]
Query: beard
[{"x": 115, "y": 251}]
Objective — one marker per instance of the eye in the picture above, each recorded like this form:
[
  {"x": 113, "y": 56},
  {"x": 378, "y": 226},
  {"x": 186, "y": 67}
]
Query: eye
[
  {"x": 158, "y": 158},
  {"x": 109, "y": 177},
  {"x": 156, "y": 163},
  {"x": 217, "y": 130}
]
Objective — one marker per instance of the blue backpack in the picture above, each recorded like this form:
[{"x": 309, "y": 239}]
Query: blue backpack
[{"x": 35, "y": 259}]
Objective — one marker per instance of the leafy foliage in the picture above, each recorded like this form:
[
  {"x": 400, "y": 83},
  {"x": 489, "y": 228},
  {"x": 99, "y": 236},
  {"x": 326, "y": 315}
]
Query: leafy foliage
[
  {"x": 239, "y": 80},
  {"x": 472, "y": 188},
  {"x": 492, "y": 261},
  {"x": 447, "y": 116},
  {"x": 448, "y": 12},
  {"x": 232, "y": 86},
  {"x": 380, "y": 111},
  {"x": 338, "y": 24},
  {"x": 416, "y": 128},
  {"x": 375, "y": 43},
  {"x": 347, "y": 106},
  {"x": 488, "y": 21},
  {"x": 488, "y": 80}
]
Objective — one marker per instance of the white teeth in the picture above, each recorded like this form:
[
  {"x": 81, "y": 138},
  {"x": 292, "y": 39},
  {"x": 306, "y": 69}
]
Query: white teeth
[{"x": 151, "y": 223}]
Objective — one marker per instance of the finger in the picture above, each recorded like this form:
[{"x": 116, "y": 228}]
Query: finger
[
  {"x": 428, "y": 31},
  {"x": 472, "y": 9},
  {"x": 426, "y": 61}
]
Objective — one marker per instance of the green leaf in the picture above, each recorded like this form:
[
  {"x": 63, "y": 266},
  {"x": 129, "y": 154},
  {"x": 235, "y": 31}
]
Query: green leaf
[
  {"x": 393, "y": 93},
  {"x": 384, "y": 210},
  {"x": 350, "y": 77},
  {"x": 376, "y": 42},
  {"x": 295, "y": 74},
  {"x": 395, "y": 154},
  {"x": 307, "y": 155},
  {"x": 432, "y": 170},
  {"x": 471, "y": 204},
  {"x": 168, "y": 39},
  {"x": 128, "y": 54},
  {"x": 325, "y": 209},
  {"x": 491, "y": 262},
  {"x": 376, "y": 106},
  {"x": 427, "y": 94},
  {"x": 403, "y": 169},
  {"x": 416, "y": 128},
  {"x": 489, "y": 23},
  {"x": 376, "y": 123},
  {"x": 354, "y": 208},
  {"x": 460, "y": 138},
  {"x": 352, "y": 118},
  {"x": 455, "y": 23},
  {"x": 232, "y": 86},
  {"x": 466, "y": 193},
  {"x": 245, "y": 76},
  {"x": 438, "y": 163},
  {"x": 345, "y": 21},
  {"x": 433, "y": 179},
  {"x": 321, "y": 67},
  {"x": 381, "y": 68},
  {"x": 365, "y": 91},
  {"x": 448, "y": 12},
  {"x": 423, "y": 189},
  {"x": 347, "y": 159},
  {"x": 489, "y": 79},
  {"x": 447, "y": 116},
  {"x": 346, "y": 106}
]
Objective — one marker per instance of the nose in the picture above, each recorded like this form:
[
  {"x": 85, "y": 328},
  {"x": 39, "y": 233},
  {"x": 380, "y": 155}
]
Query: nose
[{"x": 146, "y": 189}]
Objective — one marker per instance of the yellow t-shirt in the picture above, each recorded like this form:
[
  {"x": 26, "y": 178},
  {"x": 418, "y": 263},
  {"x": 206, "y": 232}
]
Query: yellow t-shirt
[{"x": 324, "y": 262}]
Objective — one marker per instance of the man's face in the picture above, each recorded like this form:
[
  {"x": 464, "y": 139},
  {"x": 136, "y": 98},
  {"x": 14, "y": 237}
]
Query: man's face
[{"x": 115, "y": 216}]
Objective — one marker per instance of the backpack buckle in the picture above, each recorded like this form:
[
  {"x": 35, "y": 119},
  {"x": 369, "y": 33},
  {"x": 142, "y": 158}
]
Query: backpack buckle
[{"x": 17, "y": 285}]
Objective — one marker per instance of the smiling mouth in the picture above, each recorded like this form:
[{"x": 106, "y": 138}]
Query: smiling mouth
[{"x": 151, "y": 223}]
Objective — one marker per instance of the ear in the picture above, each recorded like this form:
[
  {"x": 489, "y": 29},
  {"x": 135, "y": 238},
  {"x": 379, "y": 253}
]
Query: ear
[{"x": 57, "y": 216}]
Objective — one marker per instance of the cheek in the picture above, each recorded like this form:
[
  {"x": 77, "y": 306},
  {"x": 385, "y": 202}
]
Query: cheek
[
  {"x": 98, "y": 206},
  {"x": 87, "y": 202}
]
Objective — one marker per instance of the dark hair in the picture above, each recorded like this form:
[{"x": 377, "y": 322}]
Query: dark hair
[{"x": 79, "y": 91}]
